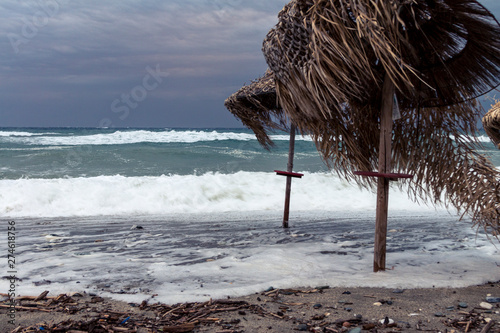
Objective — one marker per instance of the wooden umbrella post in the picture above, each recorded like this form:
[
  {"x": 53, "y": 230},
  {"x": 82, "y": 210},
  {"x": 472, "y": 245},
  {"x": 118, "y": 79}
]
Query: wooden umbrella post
[
  {"x": 384, "y": 166},
  {"x": 289, "y": 168},
  {"x": 289, "y": 175}
]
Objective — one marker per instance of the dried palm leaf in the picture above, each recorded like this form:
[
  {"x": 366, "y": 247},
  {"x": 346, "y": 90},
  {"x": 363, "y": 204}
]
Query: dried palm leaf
[
  {"x": 256, "y": 105},
  {"x": 491, "y": 124}
]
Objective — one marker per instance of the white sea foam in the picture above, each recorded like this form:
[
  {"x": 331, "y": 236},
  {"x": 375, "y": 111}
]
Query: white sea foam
[
  {"x": 138, "y": 136},
  {"x": 21, "y": 134},
  {"x": 480, "y": 138},
  {"x": 195, "y": 257},
  {"x": 484, "y": 138},
  {"x": 210, "y": 192}
]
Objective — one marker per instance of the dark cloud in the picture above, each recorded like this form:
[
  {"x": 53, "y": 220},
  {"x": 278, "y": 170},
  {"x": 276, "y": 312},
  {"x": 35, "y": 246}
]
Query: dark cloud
[{"x": 66, "y": 63}]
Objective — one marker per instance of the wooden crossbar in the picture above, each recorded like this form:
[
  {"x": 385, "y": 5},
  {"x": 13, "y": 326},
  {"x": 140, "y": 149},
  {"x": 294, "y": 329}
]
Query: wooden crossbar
[
  {"x": 390, "y": 176},
  {"x": 289, "y": 174}
]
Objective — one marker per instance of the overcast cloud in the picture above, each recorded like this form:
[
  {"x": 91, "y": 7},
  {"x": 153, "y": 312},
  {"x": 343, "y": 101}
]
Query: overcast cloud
[{"x": 120, "y": 63}]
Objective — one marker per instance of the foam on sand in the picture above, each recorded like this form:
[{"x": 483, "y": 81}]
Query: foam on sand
[{"x": 195, "y": 257}]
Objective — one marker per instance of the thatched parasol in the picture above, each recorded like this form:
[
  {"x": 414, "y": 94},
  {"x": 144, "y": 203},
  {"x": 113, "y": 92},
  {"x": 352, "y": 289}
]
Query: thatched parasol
[
  {"x": 342, "y": 66},
  {"x": 256, "y": 105},
  {"x": 491, "y": 124}
]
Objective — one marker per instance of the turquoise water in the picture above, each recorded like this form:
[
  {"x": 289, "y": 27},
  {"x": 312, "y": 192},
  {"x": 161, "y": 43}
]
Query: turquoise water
[
  {"x": 73, "y": 152},
  {"x": 78, "y": 171}
]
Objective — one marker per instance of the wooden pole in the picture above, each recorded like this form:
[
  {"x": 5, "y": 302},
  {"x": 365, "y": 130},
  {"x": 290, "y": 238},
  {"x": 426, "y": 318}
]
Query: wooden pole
[
  {"x": 289, "y": 168},
  {"x": 384, "y": 166}
]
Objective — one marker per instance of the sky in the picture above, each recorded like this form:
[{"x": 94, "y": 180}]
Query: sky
[{"x": 125, "y": 63}]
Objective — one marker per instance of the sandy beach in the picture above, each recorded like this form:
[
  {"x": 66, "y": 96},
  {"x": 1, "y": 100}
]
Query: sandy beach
[
  {"x": 215, "y": 232},
  {"x": 322, "y": 309}
]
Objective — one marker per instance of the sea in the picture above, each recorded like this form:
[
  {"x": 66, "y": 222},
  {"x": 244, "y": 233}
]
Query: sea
[{"x": 175, "y": 215}]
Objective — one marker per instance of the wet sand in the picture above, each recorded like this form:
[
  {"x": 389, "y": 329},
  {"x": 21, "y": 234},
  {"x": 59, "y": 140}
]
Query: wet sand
[{"x": 290, "y": 310}]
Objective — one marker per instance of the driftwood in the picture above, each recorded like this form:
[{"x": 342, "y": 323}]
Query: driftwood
[
  {"x": 176, "y": 318},
  {"x": 470, "y": 321},
  {"x": 194, "y": 317},
  {"x": 41, "y": 296},
  {"x": 488, "y": 326},
  {"x": 29, "y": 308}
]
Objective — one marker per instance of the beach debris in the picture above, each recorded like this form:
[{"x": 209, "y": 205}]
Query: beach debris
[
  {"x": 41, "y": 296},
  {"x": 176, "y": 318},
  {"x": 322, "y": 287},
  {"x": 470, "y": 321},
  {"x": 377, "y": 304},
  {"x": 41, "y": 283},
  {"x": 489, "y": 325},
  {"x": 53, "y": 237},
  {"x": 179, "y": 328},
  {"x": 75, "y": 294},
  {"x": 369, "y": 326},
  {"x": 136, "y": 227},
  {"x": 386, "y": 321},
  {"x": 318, "y": 317},
  {"x": 228, "y": 315}
]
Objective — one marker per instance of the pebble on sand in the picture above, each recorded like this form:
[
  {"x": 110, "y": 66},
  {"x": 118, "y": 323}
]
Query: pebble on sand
[
  {"x": 491, "y": 299},
  {"x": 486, "y": 306},
  {"x": 302, "y": 327}
]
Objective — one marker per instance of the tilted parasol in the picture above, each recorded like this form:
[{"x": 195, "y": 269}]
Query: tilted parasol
[
  {"x": 256, "y": 105},
  {"x": 343, "y": 67},
  {"x": 491, "y": 124}
]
